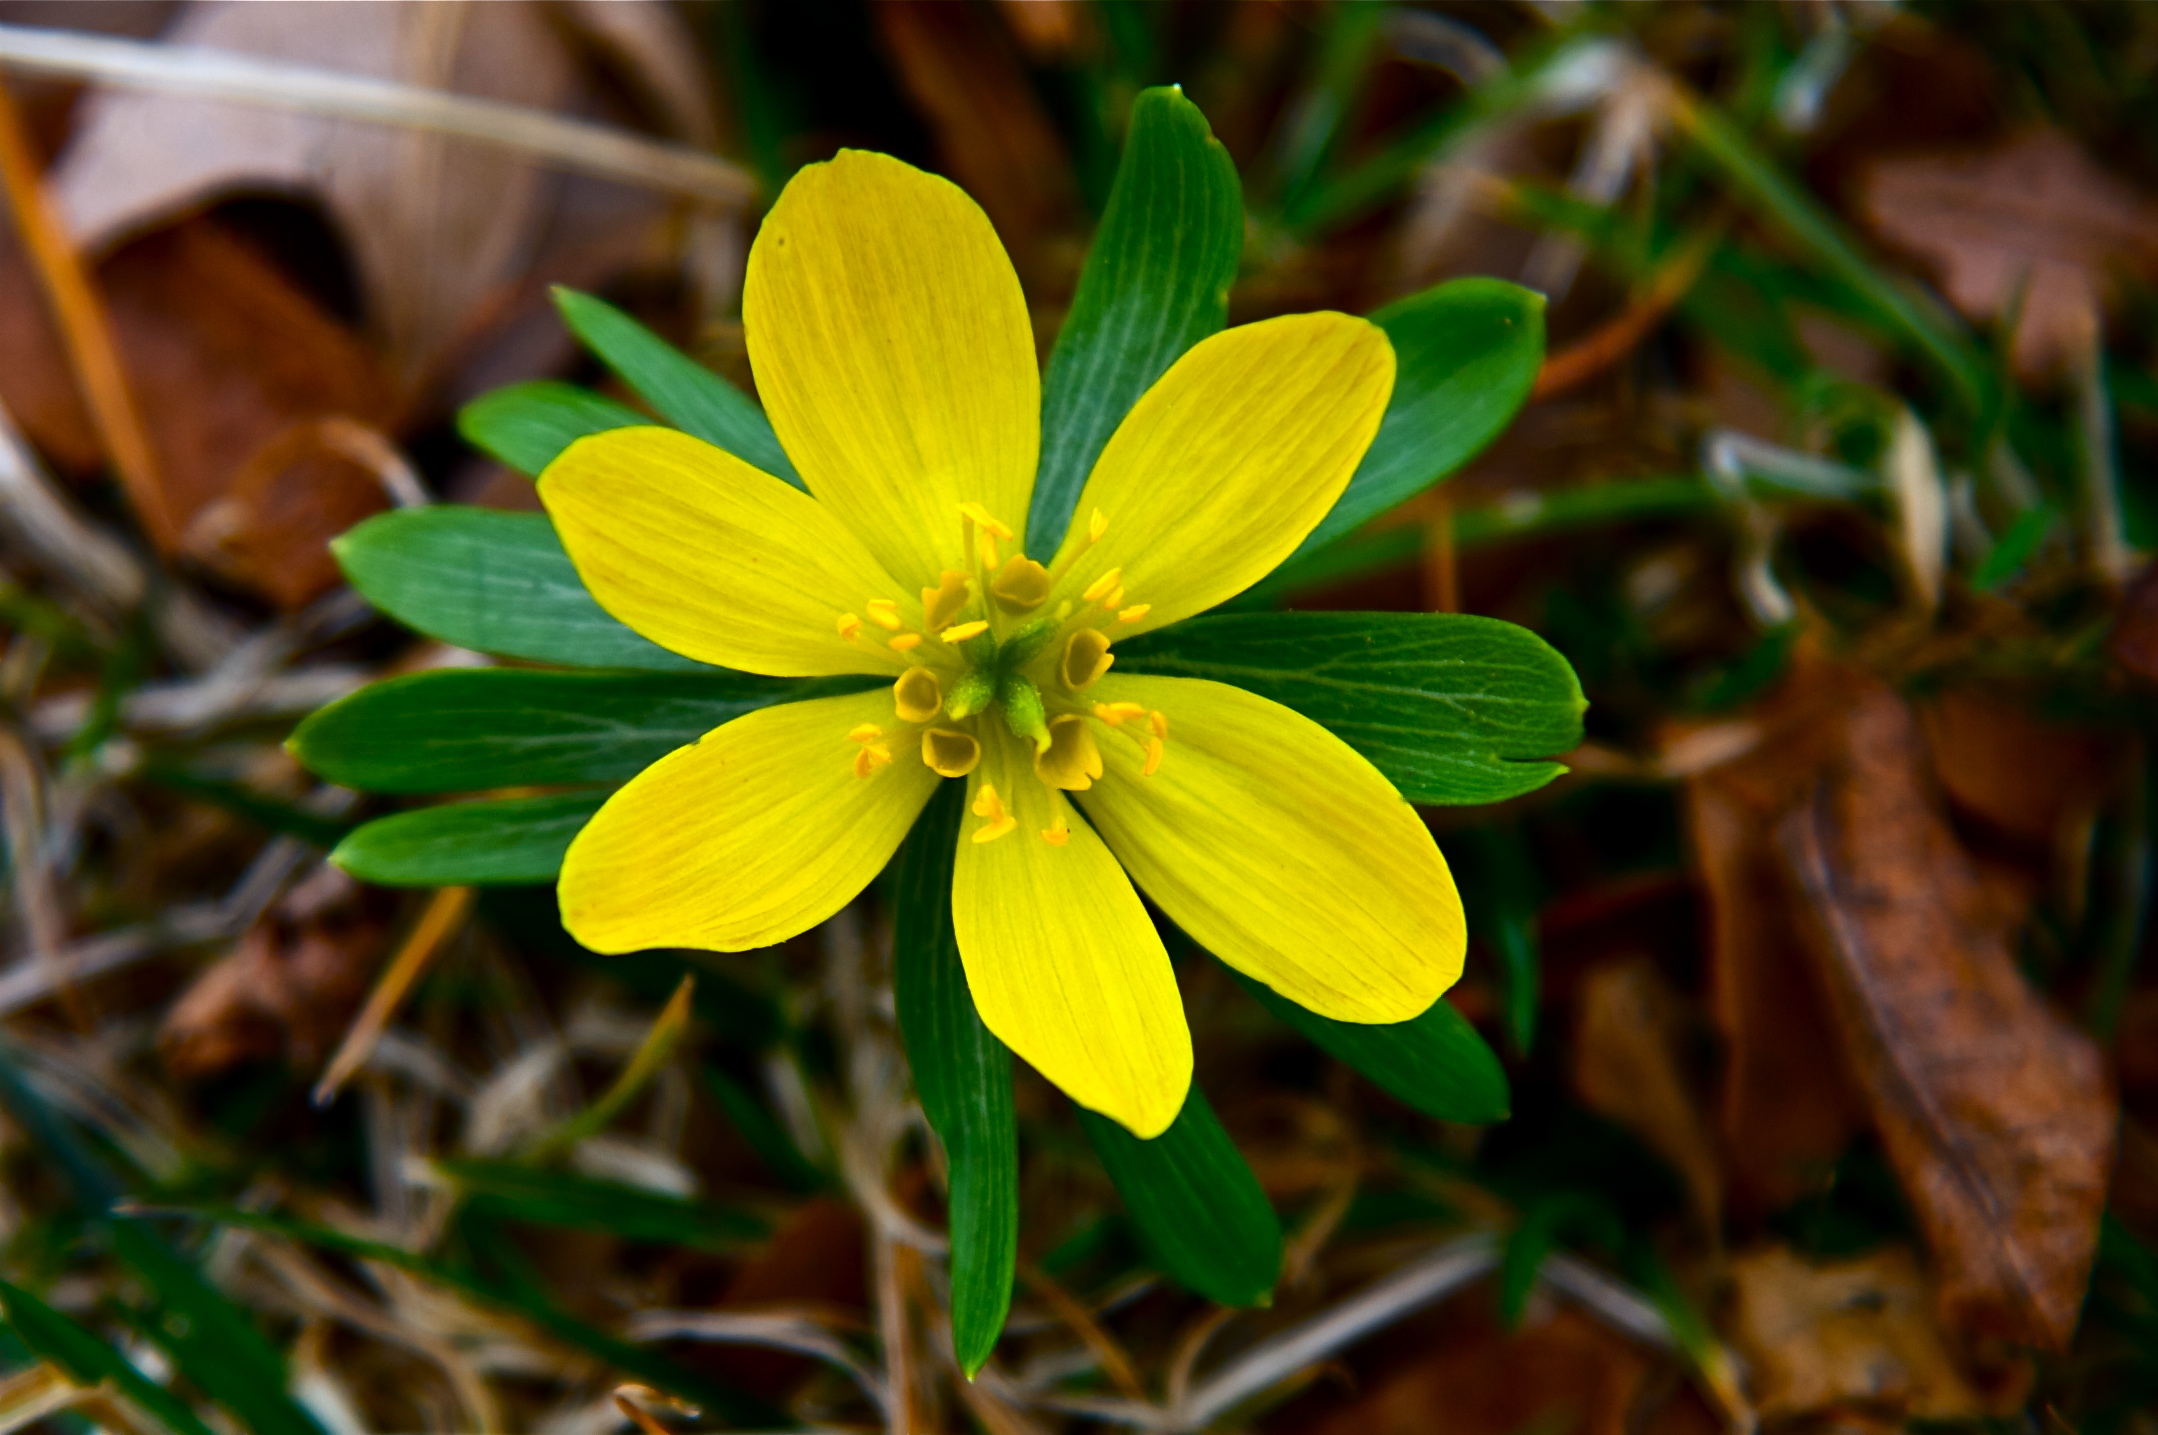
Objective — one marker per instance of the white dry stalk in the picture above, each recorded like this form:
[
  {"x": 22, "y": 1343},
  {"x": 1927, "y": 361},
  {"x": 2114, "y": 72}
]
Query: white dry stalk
[
  {"x": 770, "y": 1330},
  {"x": 246, "y": 79},
  {"x": 199, "y": 704},
  {"x": 1913, "y": 473}
]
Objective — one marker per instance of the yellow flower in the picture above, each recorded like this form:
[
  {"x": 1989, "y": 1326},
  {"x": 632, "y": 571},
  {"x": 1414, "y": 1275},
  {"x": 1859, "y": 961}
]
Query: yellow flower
[{"x": 893, "y": 352}]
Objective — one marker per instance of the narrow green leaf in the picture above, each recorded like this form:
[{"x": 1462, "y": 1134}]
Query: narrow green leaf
[
  {"x": 2014, "y": 548},
  {"x": 1466, "y": 354},
  {"x": 1156, "y": 282},
  {"x": 469, "y": 729},
  {"x": 721, "y": 1400},
  {"x": 86, "y": 1360},
  {"x": 1449, "y": 706},
  {"x": 526, "y": 425},
  {"x": 1198, "y": 1208},
  {"x": 210, "y": 1340},
  {"x": 685, "y": 392},
  {"x": 494, "y": 582},
  {"x": 1435, "y": 1062},
  {"x": 517, "y": 840},
  {"x": 512, "y": 1190},
  {"x": 644, "y": 1063},
  {"x": 964, "y": 1077}
]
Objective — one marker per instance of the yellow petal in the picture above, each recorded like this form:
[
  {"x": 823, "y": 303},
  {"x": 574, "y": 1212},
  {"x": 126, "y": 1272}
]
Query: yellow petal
[
  {"x": 1282, "y": 851},
  {"x": 712, "y": 558},
  {"x": 1063, "y": 960},
  {"x": 754, "y": 833},
  {"x": 892, "y": 350},
  {"x": 1230, "y": 459}
]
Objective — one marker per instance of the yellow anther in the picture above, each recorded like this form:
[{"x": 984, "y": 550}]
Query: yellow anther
[
  {"x": 982, "y": 517},
  {"x": 902, "y": 642},
  {"x": 1097, "y": 526},
  {"x": 917, "y": 695},
  {"x": 1058, "y": 835},
  {"x": 1114, "y": 578},
  {"x": 872, "y": 756},
  {"x": 946, "y": 601},
  {"x": 1160, "y": 723},
  {"x": 988, "y": 804},
  {"x": 1071, "y": 761},
  {"x": 985, "y": 548},
  {"x": 883, "y": 612},
  {"x": 1021, "y": 584},
  {"x": 867, "y": 732},
  {"x": 1115, "y": 714},
  {"x": 1086, "y": 658},
  {"x": 960, "y": 632},
  {"x": 950, "y": 753},
  {"x": 1115, "y": 598},
  {"x": 1154, "y": 749},
  {"x": 849, "y": 625},
  {"x": 1134, "y": 613}
]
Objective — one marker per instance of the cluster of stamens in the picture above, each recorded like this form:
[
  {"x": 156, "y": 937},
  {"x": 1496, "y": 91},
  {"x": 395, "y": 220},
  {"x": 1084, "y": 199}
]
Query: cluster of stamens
[{"x": 993, "y": 650}]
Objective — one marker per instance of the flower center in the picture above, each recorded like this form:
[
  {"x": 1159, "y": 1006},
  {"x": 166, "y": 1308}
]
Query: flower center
[{"x": 992, "y": 646}]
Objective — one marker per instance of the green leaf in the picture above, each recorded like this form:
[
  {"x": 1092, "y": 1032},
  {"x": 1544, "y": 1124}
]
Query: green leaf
[
  {"x": 494, "y": 582},
  {"x": 86, "y": 1360},
  {"x": 1466, "y": 355},
  {"x": 210, "y": 1340},
  {"x": 1434, "y": 1062},
  {"x": 469, "y": 844},
  {"x": 469, "y": 729},
  {"x": 1198, "y": 1208},
  {"x": 1156, "y": 282},
  {"x": 511, "y": 1190},
  {"x": 526, "y": 425},
  {"x": 1448, "y": 705},
  {"x": 683, "y": 391},
  {"x": 655, "y": 1369},
  {"x": 964, "y": 1077}
]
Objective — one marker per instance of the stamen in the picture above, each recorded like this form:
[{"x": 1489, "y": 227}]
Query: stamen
[
  {"x": 1058, "y": 835},
  {"x": 988, "y": 804},
  {"x": 1115, "y": 714},
  {"x": 849, "y": 625},
  {"x": 1160, "y": 723},
  {"x": 1086, "y": 658},
  {"x": 946, "y": 601},
  {"x": 960, "y": 632},
  {"x": 1097, "y": 526},
  {"x": 1071, "y": 760},
  {"x": 987, "y": 551},
  {"x": 950, "y": 753},
  {"x": 1021, "y": 585},
  {"x": 1111, "y": 579},
  {"x": 883, "y": 612},
  {"x": 1115, "y": 599},
  {"x": 982, "y": 517},
  {"x": 872, "y": 756},
  {"x": 868, "y": 731},
  {"x": 1154, "y": 748},
  {"x": 903, "y": 642},
  {"x": 917, "y": 696},
  {"x": 1134, "y": 613}
]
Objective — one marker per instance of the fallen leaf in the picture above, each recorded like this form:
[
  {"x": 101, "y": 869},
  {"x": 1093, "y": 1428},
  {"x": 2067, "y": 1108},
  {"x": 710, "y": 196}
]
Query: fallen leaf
[
  {"x": 2034, "y": 213},
  {"x": 991, "y": 131},
  {"x": 288, "y": 988},
  {"x": 1993, "y": 1110},
  {"x": 1627, "y": 1067},
  {"x": 2019, "y": 774},
  {"x": 819, "y": 1258},
  {"x": 1820, "y": 1337},
  {"x": 1563, "y": 1373}
]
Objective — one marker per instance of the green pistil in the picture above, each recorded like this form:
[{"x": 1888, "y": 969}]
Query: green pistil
[
  {"x": 971, "y": 693},
  {"x": 1023, "y": 710}
]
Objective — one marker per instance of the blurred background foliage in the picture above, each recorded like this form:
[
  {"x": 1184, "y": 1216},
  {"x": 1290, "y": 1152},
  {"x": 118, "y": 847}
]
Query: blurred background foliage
[{"x": 1820, "y": 977}]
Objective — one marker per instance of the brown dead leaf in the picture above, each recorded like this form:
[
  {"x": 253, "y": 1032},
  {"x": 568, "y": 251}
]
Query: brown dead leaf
[
  {"x": 2033, "y": 212},
  {"x": 818, "y": 1257},
  {"x": 1563, "y": 1373},
  {"x": 2019, "y": 774},
  {"x": 1994, "y": 1112},
  {"x": 2134, "y": 643},
  {"x": 991, "y": 131},
  {"x": 288, "y": 988},
  {"x": 1627, "y": 1067},
  {"x": 1820, "y": 1337}
]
